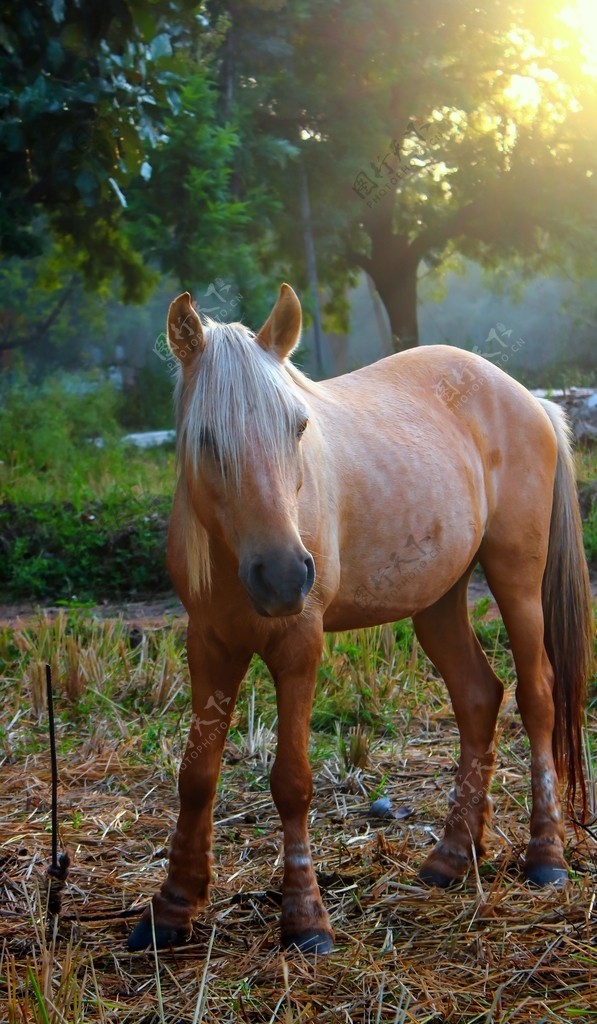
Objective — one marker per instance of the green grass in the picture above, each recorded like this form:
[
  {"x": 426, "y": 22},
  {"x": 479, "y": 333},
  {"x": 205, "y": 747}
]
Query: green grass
[
  {"x": 60, "y": 443},
  {"x": 88, "y": 474},
  {"x": 78, "y": 521},
  {"x": 590, "y": 536}
]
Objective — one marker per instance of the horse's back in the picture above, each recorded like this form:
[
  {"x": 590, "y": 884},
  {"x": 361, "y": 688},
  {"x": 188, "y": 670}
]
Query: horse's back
[{"x": 443, "y": 396}]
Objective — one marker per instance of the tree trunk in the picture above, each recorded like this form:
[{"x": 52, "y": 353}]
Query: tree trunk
[
  {"x": 394, "y": 259},
  {"x": 311, "y": 262},
  {"x": 398, "y": 292},
  {"x": 392, "y": 266}
]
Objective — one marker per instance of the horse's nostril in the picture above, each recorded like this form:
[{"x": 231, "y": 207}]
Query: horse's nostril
[
  {"x": 258, "y": 576},
  {"x": 310, "y": 567}
]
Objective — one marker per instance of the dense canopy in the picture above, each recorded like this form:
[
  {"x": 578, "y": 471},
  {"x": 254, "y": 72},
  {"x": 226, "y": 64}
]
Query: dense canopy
[{"x": 311, "y": 140}]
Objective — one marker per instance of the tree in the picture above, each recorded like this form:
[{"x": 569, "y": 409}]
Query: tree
[
  {"x": 478, "y": 123},
  {"x": 84, "y": 88},
  {"x": 194, "y": 138},
  {"x": 188, "y": 218}
]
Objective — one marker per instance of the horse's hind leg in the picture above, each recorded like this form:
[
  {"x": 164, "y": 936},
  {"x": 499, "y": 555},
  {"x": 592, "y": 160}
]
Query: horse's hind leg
[
  {"x": 517, "y": 590},
  {"x": 447, "y": 638}
]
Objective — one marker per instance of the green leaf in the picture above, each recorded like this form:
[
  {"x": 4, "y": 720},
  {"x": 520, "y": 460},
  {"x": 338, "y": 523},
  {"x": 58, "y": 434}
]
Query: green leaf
[
  {"x": 39, "y": 999},
  {"x": 87, "y": 185},
  {"x": 160, "y": 46},
  {"x": 57, "y": 8}
]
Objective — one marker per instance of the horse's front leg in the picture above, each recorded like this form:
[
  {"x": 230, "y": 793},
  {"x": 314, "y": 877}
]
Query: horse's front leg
[
  {"x": 216, "y": 673},
  {"x": 293, "y": 661}
]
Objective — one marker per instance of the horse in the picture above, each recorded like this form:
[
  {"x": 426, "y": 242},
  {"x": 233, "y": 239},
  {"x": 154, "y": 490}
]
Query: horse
[{"x": 303, "y": 507}]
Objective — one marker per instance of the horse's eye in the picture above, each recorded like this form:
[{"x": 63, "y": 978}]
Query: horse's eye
[
  {"x": 208, "y": 444},
  {"x": 301, "y": 428}
]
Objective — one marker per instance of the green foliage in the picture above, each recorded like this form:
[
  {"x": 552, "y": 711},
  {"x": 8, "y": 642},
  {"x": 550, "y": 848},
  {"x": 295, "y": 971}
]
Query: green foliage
[
  {"x": 329, "y": 89},
  {"x": 44, "y": 427},
  {"x": 185, "y": 138},
  {"x": 56, "y": 552},
  {"x": 50, "y": 320},
  {"x": 147, "y": 404},
  {"x": 83, "y": 92},
  {"x": 590, "y": 535},
  {"x": 77, "y": 520},
  {"x": 193, "y": 216},
  {"x": 47, "y": 318},
  {"x": 59, "y": 442}
]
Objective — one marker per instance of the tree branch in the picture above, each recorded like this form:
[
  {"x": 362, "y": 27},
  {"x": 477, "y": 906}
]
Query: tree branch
[
  {"x": 474, "y": 220},
  {"x": 39, "y": 332},
  {"x": 359, "y": 259}
]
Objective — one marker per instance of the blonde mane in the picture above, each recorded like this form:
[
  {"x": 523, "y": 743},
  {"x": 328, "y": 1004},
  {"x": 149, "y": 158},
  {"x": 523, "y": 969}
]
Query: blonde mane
[{"x": 238, "y": 389}]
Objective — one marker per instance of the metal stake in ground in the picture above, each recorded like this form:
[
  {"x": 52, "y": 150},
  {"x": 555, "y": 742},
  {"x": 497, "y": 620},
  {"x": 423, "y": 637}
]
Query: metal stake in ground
[{"x": 58, "y": 869}]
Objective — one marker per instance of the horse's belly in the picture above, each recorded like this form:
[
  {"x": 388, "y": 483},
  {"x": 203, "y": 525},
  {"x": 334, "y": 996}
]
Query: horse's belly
[
  {"x": 388, "y": 602},
  {"x": 404, "y": 584}
]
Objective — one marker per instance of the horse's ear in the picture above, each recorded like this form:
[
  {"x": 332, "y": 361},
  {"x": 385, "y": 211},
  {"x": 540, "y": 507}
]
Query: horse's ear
[
  {"x": 281, "y": 331},
  {"x": 185, "y": 332}
]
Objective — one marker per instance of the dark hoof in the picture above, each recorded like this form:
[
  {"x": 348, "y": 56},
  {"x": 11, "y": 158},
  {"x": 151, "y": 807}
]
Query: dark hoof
[
  {"x": 546, "y": 874},
  {"x": 142, "y": 936},
  {"x": 320, "y": 943},
  {"x": 432, "y": 876}
]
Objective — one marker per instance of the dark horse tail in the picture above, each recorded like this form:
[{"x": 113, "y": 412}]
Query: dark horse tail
[{"x": 567, "y": 610}]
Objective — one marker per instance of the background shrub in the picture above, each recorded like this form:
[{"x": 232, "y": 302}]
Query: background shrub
[{"x": 57, "y": 552}]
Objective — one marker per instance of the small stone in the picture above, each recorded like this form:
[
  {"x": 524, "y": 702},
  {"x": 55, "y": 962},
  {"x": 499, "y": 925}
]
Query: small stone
[{"x": 381, "y": 808}]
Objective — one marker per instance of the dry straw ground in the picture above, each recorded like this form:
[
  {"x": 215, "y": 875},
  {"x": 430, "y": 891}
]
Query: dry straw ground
[{"x": 491, "y": 951}]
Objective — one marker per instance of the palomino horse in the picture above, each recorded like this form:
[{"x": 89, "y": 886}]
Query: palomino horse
[{"x": 303, "y": 507}]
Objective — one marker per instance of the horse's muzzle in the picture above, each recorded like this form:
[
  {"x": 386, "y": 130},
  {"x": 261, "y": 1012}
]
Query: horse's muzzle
[{"x": 278, "y": 584}]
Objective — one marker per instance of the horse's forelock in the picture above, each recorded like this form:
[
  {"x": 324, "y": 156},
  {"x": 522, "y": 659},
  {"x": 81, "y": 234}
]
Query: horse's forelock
[{"x": 237, "y": 391}]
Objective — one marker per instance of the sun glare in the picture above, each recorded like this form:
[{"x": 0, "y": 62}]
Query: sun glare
[
  {"x": 582, "y": 17},
  {"x": 523, "y": 91}
]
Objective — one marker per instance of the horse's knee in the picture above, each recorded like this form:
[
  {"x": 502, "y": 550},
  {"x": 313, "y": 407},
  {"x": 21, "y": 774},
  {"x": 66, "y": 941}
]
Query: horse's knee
[{"x": 291, "y": 786}]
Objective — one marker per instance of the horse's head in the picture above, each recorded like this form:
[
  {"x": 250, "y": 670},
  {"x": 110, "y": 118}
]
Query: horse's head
[{"x": 241, "y": 418}]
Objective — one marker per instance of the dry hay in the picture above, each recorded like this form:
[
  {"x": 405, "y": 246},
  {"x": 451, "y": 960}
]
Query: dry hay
[{"x": 492, "y": 950}]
